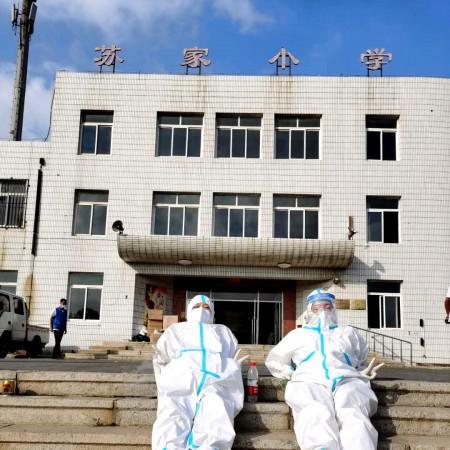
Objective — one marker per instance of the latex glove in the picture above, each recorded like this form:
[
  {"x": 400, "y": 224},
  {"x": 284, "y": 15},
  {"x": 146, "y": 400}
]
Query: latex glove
[
  {"x": 241, "y": 359},
  {"x": 370, "y": 372}
]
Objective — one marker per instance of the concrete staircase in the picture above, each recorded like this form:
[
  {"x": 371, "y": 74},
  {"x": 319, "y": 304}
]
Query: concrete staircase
[{"x": 87, "y": 410}]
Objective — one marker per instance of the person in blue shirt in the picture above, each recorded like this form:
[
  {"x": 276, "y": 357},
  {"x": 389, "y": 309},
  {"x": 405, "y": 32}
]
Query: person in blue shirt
[{"x": 58, "y": 326}]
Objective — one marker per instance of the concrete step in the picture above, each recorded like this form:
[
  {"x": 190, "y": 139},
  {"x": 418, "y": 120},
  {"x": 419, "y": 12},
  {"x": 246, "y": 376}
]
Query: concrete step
[{"x": 57, "y": 437}]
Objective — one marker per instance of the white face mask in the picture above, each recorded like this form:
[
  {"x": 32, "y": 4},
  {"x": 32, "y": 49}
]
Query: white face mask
[
  {"x": 325, "y": 318},
  {"x": 200, "y": 315}
]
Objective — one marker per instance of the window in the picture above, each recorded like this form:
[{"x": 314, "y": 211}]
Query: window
[
  {"x": 238, "y": 136},
  {"x": 383, "y": 304},
  {"x": 19, "y": 306},
  {"x": 382, "y": 219},
  {"x": 297, "y": 137},
  {"x": 236, "y": 215},
  {"x": 381, "y": 137},
  {"x": 95, "y": 132},
  {"x": 296, "y": 216},
  {"x": 85, "y": 294},
  {"x": 8, "y": 280},
  {"x": 175, "y": 213},
  {"x": 90, "y": 212},
  {"x": 13, "y": 196},
  {"x": 4, "y": 304},
  {"x": 179, "y": 134}
]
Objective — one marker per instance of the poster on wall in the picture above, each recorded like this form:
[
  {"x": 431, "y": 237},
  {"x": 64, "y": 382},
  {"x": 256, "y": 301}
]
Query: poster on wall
[{"x": 155, "y": 296}]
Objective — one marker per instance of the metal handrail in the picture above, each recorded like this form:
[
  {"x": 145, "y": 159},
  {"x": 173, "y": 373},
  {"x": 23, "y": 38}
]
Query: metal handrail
[{"x": 383, "y": 346}]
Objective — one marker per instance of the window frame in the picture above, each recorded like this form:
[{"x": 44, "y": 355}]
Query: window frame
[
  {"x": 382, "y": 211},
  {"x": 92, "y": 204},
  {"x": 8, "y": 196},
  {"x": 296, "y": 208},
  {"x": 176, "y": 205},
  {"x": 382, "y": 307},
  {"x": 95, "y": 124},
  {"x": 305, "y": 130},
  {"x": 85, "y": 287},
  {"x": 244, "y": 128},
  {"x": 237, "y": 207},
  {"x": 382, "y": 131},
  {"x": 180, "y": 125}
]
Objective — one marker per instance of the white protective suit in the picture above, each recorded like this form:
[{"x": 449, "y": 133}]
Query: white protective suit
[
  {"x": 331, "y": 400},
  {"x": 200, "y": 388}
]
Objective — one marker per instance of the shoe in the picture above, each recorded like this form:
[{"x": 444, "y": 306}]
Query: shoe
[{"x": 447, "y": 321}]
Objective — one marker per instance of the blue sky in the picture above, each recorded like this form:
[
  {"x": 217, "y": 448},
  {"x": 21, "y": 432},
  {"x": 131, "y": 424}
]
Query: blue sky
[{"x": 327, "y": 36}]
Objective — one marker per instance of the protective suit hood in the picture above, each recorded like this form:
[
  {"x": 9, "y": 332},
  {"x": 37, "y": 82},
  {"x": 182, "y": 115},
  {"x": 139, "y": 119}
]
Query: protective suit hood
[
  {"x": 200, "y": 314},
  {"x": 321, "y": 309}
]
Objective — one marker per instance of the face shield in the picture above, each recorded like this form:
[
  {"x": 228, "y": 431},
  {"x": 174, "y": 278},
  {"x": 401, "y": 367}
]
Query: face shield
[
  {"x": 321, "y": 309},
  {"x": 200, "y": 310}
]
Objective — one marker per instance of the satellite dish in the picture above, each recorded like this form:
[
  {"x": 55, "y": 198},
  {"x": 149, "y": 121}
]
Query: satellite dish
[{"x": 117, "y": 227}]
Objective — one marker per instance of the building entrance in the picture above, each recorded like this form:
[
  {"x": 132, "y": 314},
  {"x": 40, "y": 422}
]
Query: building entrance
[{"x": 253, "y": 317}]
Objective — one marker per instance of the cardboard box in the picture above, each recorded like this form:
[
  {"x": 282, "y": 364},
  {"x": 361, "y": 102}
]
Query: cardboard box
[
  {"x": 155, "y": 314},
  {"x": 169, "y": 320},
  {"x": 154, "y": 324},
  {"x": 154, "y": 337}
]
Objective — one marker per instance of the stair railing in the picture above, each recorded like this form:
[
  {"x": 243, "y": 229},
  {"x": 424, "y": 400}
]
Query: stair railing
[{"x": 385, "y": 345}]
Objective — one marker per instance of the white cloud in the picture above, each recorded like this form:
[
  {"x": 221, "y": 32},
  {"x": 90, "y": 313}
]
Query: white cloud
[
  {"x": 37, "y": 104},
  {"x": 242, "y": 12}
]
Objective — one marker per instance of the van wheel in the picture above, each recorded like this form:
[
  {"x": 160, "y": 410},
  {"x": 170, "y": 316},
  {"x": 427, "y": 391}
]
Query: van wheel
[{"x": 35, "y": 347}]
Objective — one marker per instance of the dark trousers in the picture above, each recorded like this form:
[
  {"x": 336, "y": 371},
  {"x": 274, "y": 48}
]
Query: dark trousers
[{"x": 57, "y": 348}]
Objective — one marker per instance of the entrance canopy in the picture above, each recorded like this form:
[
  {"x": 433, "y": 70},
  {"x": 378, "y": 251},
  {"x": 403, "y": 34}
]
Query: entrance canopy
[{"x": 253, "y": 252}]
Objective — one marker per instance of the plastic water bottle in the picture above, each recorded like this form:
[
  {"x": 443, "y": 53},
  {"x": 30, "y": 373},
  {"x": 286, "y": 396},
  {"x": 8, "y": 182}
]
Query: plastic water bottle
[{"x": 252, "y": 383}]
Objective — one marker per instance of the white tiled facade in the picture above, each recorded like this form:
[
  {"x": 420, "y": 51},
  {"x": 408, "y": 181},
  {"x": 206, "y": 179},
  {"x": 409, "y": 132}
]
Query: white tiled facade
[{"x": 342, "y": 176}]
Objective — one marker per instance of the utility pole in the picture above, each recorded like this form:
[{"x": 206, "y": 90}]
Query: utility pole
[{"x": 24, "y": 21}]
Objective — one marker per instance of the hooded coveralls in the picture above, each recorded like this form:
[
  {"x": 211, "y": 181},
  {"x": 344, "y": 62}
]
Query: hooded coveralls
[
  {"x": 331, "y": 401},
  {"x": 200, "y": 389}
]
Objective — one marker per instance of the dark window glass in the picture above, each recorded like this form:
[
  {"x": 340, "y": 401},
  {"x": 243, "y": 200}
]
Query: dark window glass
[
  {"x": 391, "y": 311},
  {"x": 223, "y": 143},
  {"x": 194, "y": 142},
  {"x": 238, "y": 148},
  {"x": 92, "y": 196},
  {"x": 250, "y": 121},
  {"x": 308, "y": 201},
  {"x": 3, "y": 210},
  {"x": 248, "y": 200},
  {"x": 169, "y": 119},
  {"x": 382, "y": 203},
  {"x": 389, "y": 153},
  {"x": 13, "y": 186},
  {"x": 253, "y": 143},
  {"x": 391, "y": 287},
  {"x": 176, "y": 221},
  {"x": 373, "y": 311},
  {"x": 191, "y": 120},
  {"x": 296, "y": 224},
  {"x": 16, "y": 211},
  {"x": 390, "y": 227},
  {"x": 224, "y": 199},
  {"x": 282, "y": 144},
  {"x": 236, "y": 222},
  {"x": 18, "y": 306},
  {"x": 381, "y": 122},
  {"x": 161, "y": 220},
  {"x": 179, "y": 141},
  {"x": 309, "y": 122},
  {"x": 165, "y": 141},
  {"x": 8, "y": 276},
  {"x": 221, "y": 222},
  {"x": 76, "y": 303},
  {"x": 311, "y": 225},
  {"x": 162, "y": 197},
  {"x": 99, "y": 220},
  {"x": 227, "y": 121},
  {"x": 374, "y": 219},
  {"x": 88, "y": 136},
  {"x": 281, "y": 224},
  {"x": 104, "y": 140},
  {"x": 284, "y": 200},
  {"x": 82, "y": 219},
  {"x": 189, "y": 199},
  {"x": 93, "y": 300},
  {"x": 285, "y": 121},
  {"x": 96, "y": 116},
  {"x": 251, "y": 223},
  {"x": 312, "y": 144},
  {"x": 4, "y": 303},
  {"x": 89, "y": 278},
  {"x": 297, "y": 144},
  {"x": 191, "y": 221},
  {"x": 373, "y": 145}
]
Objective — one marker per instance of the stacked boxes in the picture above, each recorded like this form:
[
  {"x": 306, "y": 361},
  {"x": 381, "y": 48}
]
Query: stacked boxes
[{"x": 154, "y": 324}]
